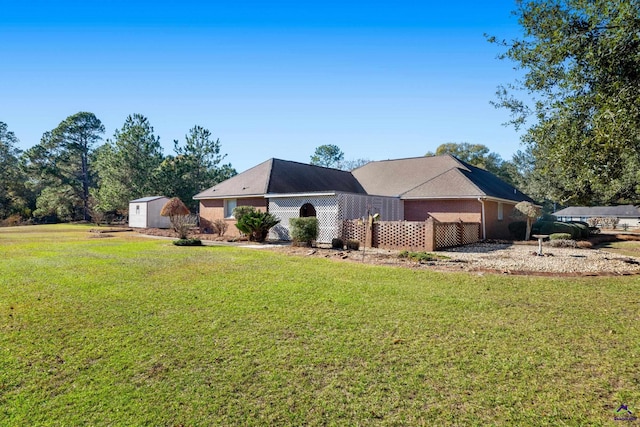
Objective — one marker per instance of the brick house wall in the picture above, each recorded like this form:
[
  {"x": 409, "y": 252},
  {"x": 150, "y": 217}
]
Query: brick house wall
[
  {"x": 443, "y": 210},
  {"x": 213, "y": 209},
  {"x": 467, "y": 210},
  {"x": 497, "y": 228}
]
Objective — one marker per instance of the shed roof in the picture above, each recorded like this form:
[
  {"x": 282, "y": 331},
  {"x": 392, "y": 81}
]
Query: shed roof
[
  {"x": 283, "y": 176},
  {"x": 620, "y": 211},
  {"x": 148, "y": 199}
]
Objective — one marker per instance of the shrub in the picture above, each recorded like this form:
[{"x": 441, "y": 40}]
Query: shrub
[
  {"x": 560, "y": 236},
  {"x": 593, "y": 221},
  {"x": 625, "y": 226},
  {"x": 12, "y": 220},
  {"x": 220, "y": 226},
  {"x": 188, "y": 242},
  {"x": 182, "y": 225},
  {"x": 352, "y": 244},
  {"x": 583, "y": 227},
  {"x": 551, "y": 227},
  {"x": 563, "y": 243},
  {"x": 584, "y": 244},
  {"x": 304, "y": 230},
  {"x": 518, "y": 229},
  {"x": 256, "y": 224},
  {"x": 240, "y": 211},
  {"x": 609, "y": 222},
  {"x": 337, "y": 243},
  {"x": 421, "y": 256}
]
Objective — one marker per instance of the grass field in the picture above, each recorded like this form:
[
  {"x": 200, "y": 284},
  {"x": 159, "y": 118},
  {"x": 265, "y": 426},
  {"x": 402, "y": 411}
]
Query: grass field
[{"x": 133, "y": 331}]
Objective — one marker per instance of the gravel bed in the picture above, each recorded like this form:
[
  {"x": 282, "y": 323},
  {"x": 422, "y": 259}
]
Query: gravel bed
[{"x": 524, "y": 258}]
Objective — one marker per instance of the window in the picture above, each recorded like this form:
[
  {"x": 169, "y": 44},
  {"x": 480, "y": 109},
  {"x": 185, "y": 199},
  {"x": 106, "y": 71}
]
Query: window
[
  {"x": 137, "y": 209},
  {"x": 500, "y": 212},
  {"x": 229, "y": 206}
]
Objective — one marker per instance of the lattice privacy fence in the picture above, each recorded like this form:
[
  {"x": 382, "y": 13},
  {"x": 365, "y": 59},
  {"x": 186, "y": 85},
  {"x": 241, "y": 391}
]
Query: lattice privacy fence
[
  {"x": 331, "y": 210},
  {"x": 413, "y": 235}
]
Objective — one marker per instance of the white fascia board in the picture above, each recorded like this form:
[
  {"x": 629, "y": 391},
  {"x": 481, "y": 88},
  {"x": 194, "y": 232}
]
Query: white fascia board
[
  {"x": 244, "y": 196},
  {"x": 489, "y": 198},
  {"x": 291, "y": 195}
]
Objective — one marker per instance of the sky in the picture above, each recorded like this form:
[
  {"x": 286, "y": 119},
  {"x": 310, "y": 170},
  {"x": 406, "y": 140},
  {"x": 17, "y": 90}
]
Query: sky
[{"x": 381, "y": 80}]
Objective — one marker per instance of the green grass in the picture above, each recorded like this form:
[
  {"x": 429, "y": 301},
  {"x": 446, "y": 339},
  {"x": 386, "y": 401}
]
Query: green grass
[
  {"x": 133, "y": 331},
  {"x": 625, "y": 247}
]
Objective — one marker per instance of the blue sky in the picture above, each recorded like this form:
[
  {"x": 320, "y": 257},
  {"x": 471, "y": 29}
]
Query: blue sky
[{"x": 270, "y": 79}]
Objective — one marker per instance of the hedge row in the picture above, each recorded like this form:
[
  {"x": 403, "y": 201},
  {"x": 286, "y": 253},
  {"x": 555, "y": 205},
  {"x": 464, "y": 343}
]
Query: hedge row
[{"x": 576, "y": 229}]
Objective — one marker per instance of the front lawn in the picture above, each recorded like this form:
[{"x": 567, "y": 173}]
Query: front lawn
[{"x": 127, "y": 330}]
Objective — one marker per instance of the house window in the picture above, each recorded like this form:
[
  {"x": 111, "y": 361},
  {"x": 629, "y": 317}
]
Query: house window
[
  {"x": 500, "y": 212},
  {"x": 137, "y": 209},
  {"x": 229, "y": 206}
]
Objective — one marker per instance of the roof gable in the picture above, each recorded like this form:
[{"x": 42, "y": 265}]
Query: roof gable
[
  {"x": 434, "y": 176},
  {"x": 396, "y": 177},
  {"x": 283, "y": 176}
]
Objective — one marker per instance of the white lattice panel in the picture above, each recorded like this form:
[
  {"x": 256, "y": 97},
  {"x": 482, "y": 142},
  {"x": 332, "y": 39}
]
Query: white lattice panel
[{"x": 327, "y": 211}]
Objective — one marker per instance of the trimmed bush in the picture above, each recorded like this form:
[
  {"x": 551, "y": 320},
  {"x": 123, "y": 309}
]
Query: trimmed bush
[
  {"x": 304, "y": 230},
  {"x": 551, "y": 227},
  {"x": 337, "y": 243},
  {"x": 563, "y": 243},
  {"x": 560, "y": 236},
  {"x": 518, "y": 229},
  {"x": 353, "y": 245},
  {"x": 584, "y": 228},
  {"x": 188, "y": 242}
]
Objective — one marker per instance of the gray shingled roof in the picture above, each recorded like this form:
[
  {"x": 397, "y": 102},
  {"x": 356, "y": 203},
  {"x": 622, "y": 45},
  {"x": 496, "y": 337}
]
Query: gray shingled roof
[
  {"x": 277, "y": 176},
  {"x": 621, "y": 211},
  {"x": 433, "y": 177},
  {"x": 412, "y": 178}
]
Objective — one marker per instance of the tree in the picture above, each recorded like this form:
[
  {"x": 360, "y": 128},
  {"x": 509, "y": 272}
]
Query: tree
[
  {"x": 328, "y": 156},
  {"x": 128, "y": 165},
  {"x": 177, "y": 212},
  {"x": 60, "y": 163},
  {"x": 349, "y": 165},
  {"x": 526, "y": 211},
  {"x": 12, "y": 179},
  {"x": 477, "y": 155},
  {"x": 195, "y": 167},
  {"x": 579, "y": 96},
  {"x": 77, "y": 135}
]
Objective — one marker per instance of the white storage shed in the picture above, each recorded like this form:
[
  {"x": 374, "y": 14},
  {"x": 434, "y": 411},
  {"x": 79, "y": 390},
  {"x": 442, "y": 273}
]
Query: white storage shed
[{"x": 145, "y": 213}]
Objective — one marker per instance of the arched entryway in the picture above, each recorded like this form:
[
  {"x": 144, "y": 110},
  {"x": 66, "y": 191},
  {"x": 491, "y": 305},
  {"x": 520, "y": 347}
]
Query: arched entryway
[{"x": 307, "y": 210}]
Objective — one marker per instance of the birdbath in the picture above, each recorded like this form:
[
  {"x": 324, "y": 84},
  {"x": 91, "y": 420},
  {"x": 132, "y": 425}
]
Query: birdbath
[{"x": 540, "y": 238}]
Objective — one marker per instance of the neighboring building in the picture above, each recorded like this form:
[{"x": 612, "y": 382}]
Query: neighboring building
[
  {"x": 413, "y": 189},
  {"x": 145, "y": 213},
  {"x": 627, "y": 214}
]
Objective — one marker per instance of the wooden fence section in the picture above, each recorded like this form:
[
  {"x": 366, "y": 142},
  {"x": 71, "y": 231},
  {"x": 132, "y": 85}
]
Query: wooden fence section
[{"x": 429, "y": 235}]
